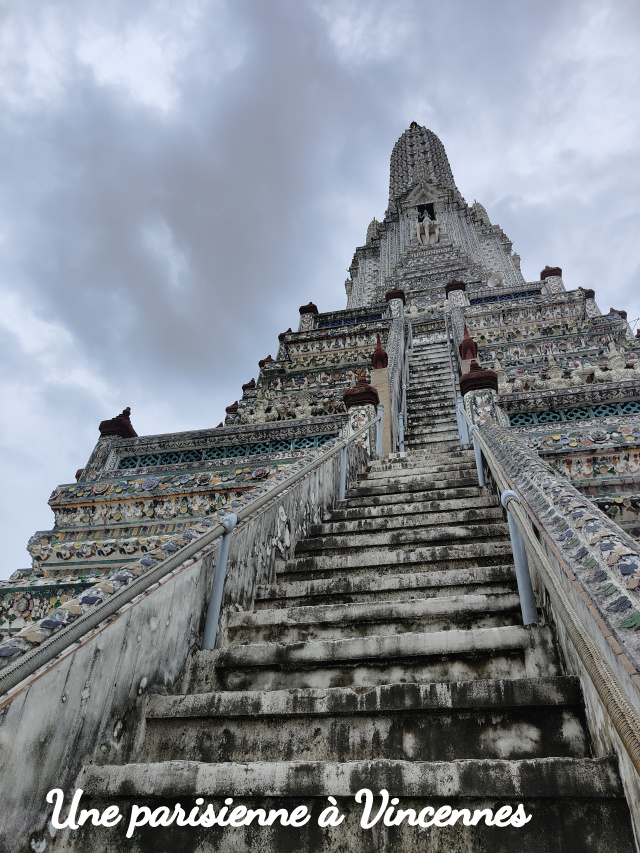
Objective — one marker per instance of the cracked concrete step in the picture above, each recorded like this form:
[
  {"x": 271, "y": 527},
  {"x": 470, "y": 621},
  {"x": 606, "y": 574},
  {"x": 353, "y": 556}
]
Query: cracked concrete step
[
  {"x": 419, "y": 384},
  {"x": 574, "y": 804},
  {"x": 482, "y": 654},
  {"x": 394, "y": 560},
  {"x": 398, "y": 473},
  {"x": 404, "y": 511},
  {"x": 496, "y": 580},
  {"x": 530, "y": 718},
  {"x": 435, "y": 415},
  {"x": 340, "y": 621},
  {"x": 433, "y": 425},
  {"x": 445, "y": 452},
  {"x": 325, "y": 543},
  {"x": 378, "y": 497},
  {"x": 423, "y": 444},
  {"x": 433, "y": 428},
  {"x": 432, "y": 432},
  {"x": 535, "y": 777},
  {"x": 436, "y": 465},
  {"x": 429, "y": 402},
  {"x": 407, "y": 485},
  {"x": 460, "y": 459},
  {"x": 451, "y": 516}
]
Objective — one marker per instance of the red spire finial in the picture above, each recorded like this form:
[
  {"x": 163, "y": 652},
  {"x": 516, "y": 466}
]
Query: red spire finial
[
  {"x": 379, "y": 357},
  {"x": 468, "y": 347}
]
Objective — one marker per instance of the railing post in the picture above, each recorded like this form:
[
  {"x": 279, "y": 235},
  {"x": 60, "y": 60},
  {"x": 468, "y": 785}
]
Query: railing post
[
  {"x": 463, "y": 429},
  {"x": 523, "y": 576},
  {"x": 410, "y": 335},
  {"x": 380, "y": 410},
  {"x": 400, "y": 433},
  {"x": 342, "y": 488},
  {"x": 217, "y": 585},
  {"x": 478, "y": 453},
  {"x": 404, "y": 404}
]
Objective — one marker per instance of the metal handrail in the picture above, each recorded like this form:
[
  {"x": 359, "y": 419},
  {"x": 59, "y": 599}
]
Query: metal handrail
[
  {"x": 57, "y": 643},
  {"x": 623, "y": 715}
]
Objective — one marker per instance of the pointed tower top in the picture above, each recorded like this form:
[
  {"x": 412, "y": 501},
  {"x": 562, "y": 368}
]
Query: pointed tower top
[{"x": 418, "y": 156}]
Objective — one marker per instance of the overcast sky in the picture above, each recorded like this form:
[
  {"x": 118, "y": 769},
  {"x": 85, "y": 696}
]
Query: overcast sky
[{"x": 179, "y": 177}]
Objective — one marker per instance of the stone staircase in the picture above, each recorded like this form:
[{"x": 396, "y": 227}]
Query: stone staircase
[
  {"x": 387, "y": 654},
  {"x": 431, "y": 403}
]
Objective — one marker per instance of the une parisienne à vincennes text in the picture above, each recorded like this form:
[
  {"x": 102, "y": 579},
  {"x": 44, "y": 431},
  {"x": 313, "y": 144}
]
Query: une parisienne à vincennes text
[{"x": 202, "y": 815}]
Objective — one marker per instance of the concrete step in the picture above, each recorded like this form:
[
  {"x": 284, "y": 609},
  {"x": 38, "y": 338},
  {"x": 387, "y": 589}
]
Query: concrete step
[
  {"x": 432, "y": 427},
  {"x": 511, "y": 652},
  {"x": 370, "y": 496},
  {"x": 432, "y": 410},
  {"x": 402, "y": 536},
  {"x": 404, "y": 511},
  {"x": 462, "y": 460},
  {"x": 421, "y": 443},
  {"x": 396, "y": 560},
  {"x": 412, "y": 519},
  {"x": 484, "y": 579},
  {"x": 429, "y": 398},
  {"x": 575, "y": 804},
  {"x": 530, "y": 718},
  {"x": 431, "y": 424},
  {"x": 419, "y": 474},
  {"x": 341, "y": 621},
  {"x": 440, "y": 488}
]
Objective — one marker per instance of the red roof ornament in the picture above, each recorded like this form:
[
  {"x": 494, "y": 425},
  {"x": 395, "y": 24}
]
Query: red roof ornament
[
  {"x": 478, "y": 379},
  {"x": 396, "y": 293},
  {"x": 232, "y": 409},
  {"x": 264, "y": 361},
  {"x": 547, "y": 271},
  {"x": 362, "y": 395},
  {"x": 120, "y": 425},
  {"x": 622, "y": 314},
  {"x": 309, "y": 309},
  {"x": 468, "y": 348},
  {"x": 379, "y": 358},
  {"x": 249, "y": 386},
  {"x": 283, "y": 335}
]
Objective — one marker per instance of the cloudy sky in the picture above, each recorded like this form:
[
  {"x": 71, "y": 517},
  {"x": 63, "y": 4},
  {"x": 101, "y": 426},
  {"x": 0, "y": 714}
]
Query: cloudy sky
[{"x": 178, "y": 177}]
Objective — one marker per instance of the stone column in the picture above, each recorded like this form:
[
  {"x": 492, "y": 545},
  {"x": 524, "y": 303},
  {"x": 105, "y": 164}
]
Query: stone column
[
  {"x": 395, "y": 348},
  {"x": 361, "y": 403},
  {"x": 380, "y": 381},
  {"x": 551, "y": 278},
  {"x": 479, "y": 389},
  {"x": 308, "y": 314},
  {"x": 455, "y": 295}
]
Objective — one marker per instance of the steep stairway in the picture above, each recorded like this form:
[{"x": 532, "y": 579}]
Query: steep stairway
[
  {"x": 387, "y": 654},
  {"x": 431, "y": 402}
]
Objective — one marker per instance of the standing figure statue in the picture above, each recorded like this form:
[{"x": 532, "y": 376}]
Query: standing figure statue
[{"x": 427, "y": 230}]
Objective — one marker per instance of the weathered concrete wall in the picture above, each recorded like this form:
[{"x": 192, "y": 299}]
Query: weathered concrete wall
[
  {"x": 605, "y": 739},
  {"x": 88, "y": 705}
]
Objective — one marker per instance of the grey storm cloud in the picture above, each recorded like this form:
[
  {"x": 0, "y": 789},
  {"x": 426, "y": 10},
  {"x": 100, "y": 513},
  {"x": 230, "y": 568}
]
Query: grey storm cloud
[{"x": 177, "y": 178}]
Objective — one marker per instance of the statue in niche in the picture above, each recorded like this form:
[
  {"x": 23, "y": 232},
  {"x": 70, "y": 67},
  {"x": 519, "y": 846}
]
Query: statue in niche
[
  {"x": 303, "y": 407},
  {"x": 427, "y": 230}
]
